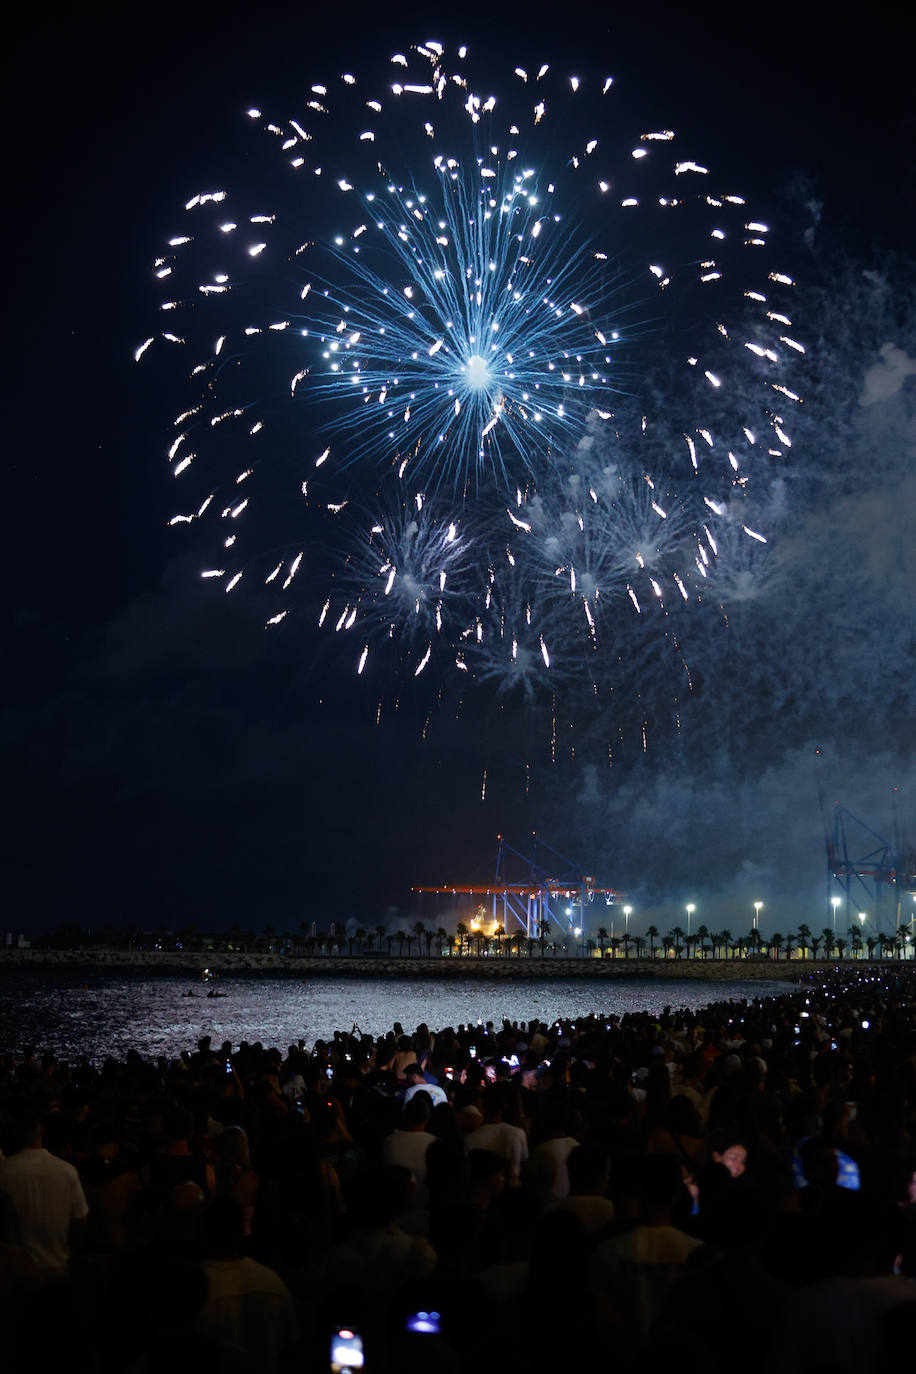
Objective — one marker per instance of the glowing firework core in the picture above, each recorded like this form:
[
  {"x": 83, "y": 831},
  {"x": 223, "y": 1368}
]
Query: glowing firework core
[{"x": 477, "y": 373}]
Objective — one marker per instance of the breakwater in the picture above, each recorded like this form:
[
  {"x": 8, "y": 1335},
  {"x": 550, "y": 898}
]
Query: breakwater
[{"x": 469, "y": 967}]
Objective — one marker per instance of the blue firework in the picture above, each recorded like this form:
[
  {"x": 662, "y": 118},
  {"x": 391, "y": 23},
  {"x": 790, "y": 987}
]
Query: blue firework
[
  {"x": 475, "y": 381},
  {"x": 463, "y": 328}
]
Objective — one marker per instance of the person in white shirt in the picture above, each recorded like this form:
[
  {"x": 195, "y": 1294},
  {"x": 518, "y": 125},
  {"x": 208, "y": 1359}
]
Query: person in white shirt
[
  {"x": 408, "y": 1145},
  {"x": 497, "y": 1135},
  {"x": 416, "y": 1083},
  {"x": 588, "y": 1169},
  {"x": 46, "y": 1197},
  {"x": 249, "y": 1308},
  {"x": 632, "y": 1272}
]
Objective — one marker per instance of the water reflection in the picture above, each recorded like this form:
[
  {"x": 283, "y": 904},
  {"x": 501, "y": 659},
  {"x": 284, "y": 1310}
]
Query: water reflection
[{"x": 78, "y": 1014}]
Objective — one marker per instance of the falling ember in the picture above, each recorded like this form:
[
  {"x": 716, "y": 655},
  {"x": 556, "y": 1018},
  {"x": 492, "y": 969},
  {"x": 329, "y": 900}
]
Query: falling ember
[{"x": 423, "y": 661}]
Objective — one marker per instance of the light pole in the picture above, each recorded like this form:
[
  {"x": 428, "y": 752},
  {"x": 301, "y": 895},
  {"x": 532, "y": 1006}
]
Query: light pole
[
  {"x": 626, "y": 919},
  {"x": 757, "y": 906},
  {"x": 834, "y": 902},
  {"x": 690, "y": 909}
]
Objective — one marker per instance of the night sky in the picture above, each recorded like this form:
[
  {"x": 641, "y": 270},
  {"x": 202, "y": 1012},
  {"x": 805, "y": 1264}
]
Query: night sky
[{"x": 167, "y": 762}]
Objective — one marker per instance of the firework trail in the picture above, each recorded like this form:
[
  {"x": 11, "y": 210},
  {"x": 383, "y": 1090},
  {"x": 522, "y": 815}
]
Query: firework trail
[{"x": 475, "y": 376}]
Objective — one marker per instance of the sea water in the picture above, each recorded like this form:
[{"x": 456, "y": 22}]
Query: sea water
[{"x": 80, "y": 1013}]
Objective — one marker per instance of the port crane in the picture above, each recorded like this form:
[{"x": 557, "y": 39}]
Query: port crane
[{"x": 526, "y": 894}]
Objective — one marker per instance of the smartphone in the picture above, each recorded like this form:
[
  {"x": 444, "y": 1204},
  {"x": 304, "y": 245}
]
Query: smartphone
[
  {"x": 346, "y": 1350},
  {"x": 473, "y": 1052},
  {"x": 426, "y": 1323},
  {"x": 228, "y": 1065},
  {"x": 329, "y": 1072}
]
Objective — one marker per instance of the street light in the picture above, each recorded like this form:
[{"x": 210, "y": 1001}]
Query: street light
[
  {"x": 626, "y": 919},
  {"x": 834, "y": 902},
  {"x": 757, "y": 906},
  {"x": 690, "y": 908}
]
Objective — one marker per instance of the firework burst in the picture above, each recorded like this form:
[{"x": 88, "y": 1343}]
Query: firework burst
[{"x": 488, "y": 374}]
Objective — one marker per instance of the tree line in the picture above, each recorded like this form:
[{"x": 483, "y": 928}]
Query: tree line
[{"x": 470, "y": 941}]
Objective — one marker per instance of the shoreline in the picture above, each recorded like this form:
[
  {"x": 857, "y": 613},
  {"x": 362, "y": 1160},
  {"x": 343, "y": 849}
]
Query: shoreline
[{"x": 468, "y": 967}]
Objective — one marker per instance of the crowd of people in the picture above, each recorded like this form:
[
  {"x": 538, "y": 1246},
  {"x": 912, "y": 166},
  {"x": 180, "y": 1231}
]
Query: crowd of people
[{"x": 734, "y": 1185}]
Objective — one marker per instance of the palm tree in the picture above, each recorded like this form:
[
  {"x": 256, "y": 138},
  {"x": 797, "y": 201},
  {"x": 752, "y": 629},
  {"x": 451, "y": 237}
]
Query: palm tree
[
  {"x": 602, "y": 936},
  {"x": 380, "y": 935},
  {"x": 726, "y": 937},
  {"x": 461, "y": 931},
  {"x": 497, "y": 937},
  {"x": 790, "y": 943},
  {"x": 855, "y": 940},
  {"x": 638, "y": 944},
  {"x": 419, "y": 930},
  {"x": 776, "y": 943},
  {"x": 626, "y": 941},
  {"x": 677, "y": 935},
  {"x": 518, "y": 939},
  {"x": 667, "y": 942},
  {"x": 615, "y": 945},
  {"x": 841, "y": 947},
  {"x": 816, "y": 941},
  {"x": 652, "y": 933},
  {"x": 361, "y": 936},
  {"x": 544, "y": 935},
  {"x": 804, "y": 939},
  {"x": 702, "y": 936},
  {"x": 829, "y": 941},
  {"x": 442, "y": 937},
  {"x": 887, "y": 945}
]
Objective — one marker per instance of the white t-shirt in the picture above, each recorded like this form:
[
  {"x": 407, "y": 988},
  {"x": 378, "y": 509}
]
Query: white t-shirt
[
  {"x": 249, "y": 1307},
  {"x": 408, "y": 1148},
  {"x": 437, "y": 1094},
  {"x": 547, "y": 1166},
  {"x": 46, "y": 1196},
  {"x": 640, "y": 1266},
  {"x": 502, "y": 1139},
  {"x": 593, "y": 1211}
]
